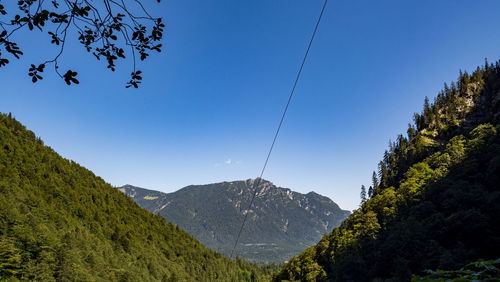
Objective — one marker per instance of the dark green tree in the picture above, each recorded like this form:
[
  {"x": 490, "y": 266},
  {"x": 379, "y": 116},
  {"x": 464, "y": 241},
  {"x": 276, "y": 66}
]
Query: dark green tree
[
  {"x": 374, "y": 182},
  {"x": 362, "y": 194},
  {"x": 10, "y": 259}
]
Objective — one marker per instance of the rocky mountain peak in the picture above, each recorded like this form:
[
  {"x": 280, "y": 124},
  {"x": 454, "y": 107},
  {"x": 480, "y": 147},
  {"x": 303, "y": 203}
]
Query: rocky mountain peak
[{"x": 281, "y": 222}]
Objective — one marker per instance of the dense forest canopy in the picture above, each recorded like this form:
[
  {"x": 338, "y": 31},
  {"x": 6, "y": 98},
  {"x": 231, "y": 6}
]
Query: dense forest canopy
[
  {"x": 58, "y": 221},
  {"x": 435, "y": 201}
]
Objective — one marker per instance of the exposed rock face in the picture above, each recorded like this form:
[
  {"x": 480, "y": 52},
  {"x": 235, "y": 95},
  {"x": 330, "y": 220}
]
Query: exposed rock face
[{"x": 280, "y": 224}]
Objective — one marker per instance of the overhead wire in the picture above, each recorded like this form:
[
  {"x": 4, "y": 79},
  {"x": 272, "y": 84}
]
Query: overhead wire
[{"x": 258, "y": 180}]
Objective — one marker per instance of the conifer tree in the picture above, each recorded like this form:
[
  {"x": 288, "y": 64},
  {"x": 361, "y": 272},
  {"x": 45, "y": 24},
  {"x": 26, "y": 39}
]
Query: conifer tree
[
  {"x": 374, "y": 182},
  {"x": 427, "y": 108},
  {"x": 411, "y": 131},
  {"x": 363, "y": 194}
]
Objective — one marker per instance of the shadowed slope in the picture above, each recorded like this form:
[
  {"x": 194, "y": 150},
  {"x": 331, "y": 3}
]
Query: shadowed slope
[{"x": 437, "y": 202}]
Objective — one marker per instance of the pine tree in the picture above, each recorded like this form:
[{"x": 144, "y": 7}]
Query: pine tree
[
  {"x": 363, "y": 194},
  {"x": 427, "y": 107},
  {"x": 10, "y": 260},
  {"x": 370, "y": 191},
  {"x": 418, "y": 119},
  {"x": 411, "y": 131},
  {"x": 374, "y": 183}
]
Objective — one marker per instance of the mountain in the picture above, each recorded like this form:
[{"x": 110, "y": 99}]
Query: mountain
[
  {"x": 434, "y": 203},
  {"x": 58, "y": 221},
  {"x": 280, "y": 225}
]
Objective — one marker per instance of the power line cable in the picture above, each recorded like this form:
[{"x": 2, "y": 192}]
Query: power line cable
[{"x": 258, "y": 180}]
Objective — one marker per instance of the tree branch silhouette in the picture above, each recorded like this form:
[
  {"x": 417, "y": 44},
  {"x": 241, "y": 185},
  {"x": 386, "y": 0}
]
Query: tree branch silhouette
[{"x": 105, "y": 28}]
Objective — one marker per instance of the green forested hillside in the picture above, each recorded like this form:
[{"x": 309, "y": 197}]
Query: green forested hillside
[
  {"x": 282, "y": 223},
  {"x": 58, "y": 221},
  {"x": 435, "y": 201}
]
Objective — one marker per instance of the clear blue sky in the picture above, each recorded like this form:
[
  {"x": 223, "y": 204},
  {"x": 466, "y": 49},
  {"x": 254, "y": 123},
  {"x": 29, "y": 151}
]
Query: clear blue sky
[{"x": 210, "y": 103}]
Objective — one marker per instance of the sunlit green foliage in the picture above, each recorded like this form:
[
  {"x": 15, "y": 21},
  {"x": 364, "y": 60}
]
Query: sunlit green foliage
[
  {"x": 58, "y": 221},
  {"x": 436, "y": 198}
]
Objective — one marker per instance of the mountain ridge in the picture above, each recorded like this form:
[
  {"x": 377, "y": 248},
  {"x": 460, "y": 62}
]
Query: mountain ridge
[{"x": 284, "y": 220}]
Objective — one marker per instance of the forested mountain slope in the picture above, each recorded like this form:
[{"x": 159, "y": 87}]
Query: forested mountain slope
[
  {"x": 435, "y": 201},
  {"x": 281, "y": 223},
  {"x": 58, "y": 221}
]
